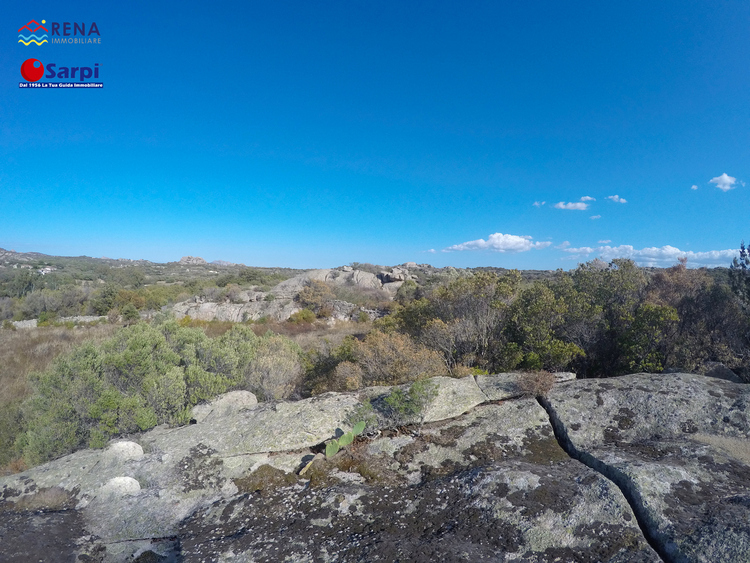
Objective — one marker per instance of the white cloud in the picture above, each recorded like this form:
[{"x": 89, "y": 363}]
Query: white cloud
[
  {"x": 617, "y": 199},
  {"x": 724, "y": 182},
  {"x": 539, "y": 203},
  {"x": 693, "y": 187},
  {"x": 604, "y": 241},
  {"x": 596, "y": 217},
  {"x": 431, "y": 251},
  {"x": 656, "y": 256},
  {"x": 499, "y": 242},
  {"x": 587, "y": 198},
  {"x": 564, "y": 244},
  {"x": 578, "y": 205}
]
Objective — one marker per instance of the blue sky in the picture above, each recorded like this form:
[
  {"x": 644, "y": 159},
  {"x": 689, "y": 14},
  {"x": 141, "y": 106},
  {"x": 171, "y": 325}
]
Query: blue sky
[{"x": 315, "y": 134}]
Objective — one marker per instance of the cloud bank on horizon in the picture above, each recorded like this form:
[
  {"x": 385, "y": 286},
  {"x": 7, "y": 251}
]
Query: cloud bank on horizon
[
  {"x": 663, "y": 256},
  {"x": 654, "y": 256}
]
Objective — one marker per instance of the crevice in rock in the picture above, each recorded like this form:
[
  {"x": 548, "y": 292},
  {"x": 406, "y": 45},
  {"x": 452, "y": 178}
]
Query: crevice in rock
[
  {"x": 486, "y": 396},
  {"x": 626, "y": 485}
]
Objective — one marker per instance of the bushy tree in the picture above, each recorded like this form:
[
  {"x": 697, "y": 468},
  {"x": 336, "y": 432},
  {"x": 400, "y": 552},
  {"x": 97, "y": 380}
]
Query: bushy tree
[
  {"x": 740, "y": 274},
  {"x": 463, "y": 319},
  {"x": 534, "y": 330},
  {"x": 103, "y": 301},
  {"x": 710, "y": 323}
]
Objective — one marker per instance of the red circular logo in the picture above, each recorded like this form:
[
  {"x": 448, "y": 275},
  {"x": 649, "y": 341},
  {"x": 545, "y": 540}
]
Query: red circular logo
[{"x": 32, "y": 70}]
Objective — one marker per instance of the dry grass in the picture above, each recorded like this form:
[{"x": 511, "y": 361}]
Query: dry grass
[
  {"x": 27, "y": 350},
  {"x": 536, "y": 383},
  {"x": 322, "y": 334}
]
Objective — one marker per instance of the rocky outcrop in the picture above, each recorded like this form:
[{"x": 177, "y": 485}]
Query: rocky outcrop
[
  {"x": 288, "y": 289},
  {"x": 279, "y": 302},
  {"x": 192, "y": 260},
  {"x": 638, "y": 468},
  {"x": 279, "y": 310}
]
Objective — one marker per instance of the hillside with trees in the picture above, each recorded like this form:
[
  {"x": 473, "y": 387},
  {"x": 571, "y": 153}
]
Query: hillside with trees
[{"x": 597, "y": 320}]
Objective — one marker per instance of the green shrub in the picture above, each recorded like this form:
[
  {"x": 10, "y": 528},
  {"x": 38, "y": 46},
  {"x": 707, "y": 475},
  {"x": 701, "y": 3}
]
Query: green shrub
[
  {"x": 302, "y": 316},
  {"x": 407, "y": 292},
  {"x": 409, "y": 407},
  {"x": 146, "y": 374},
  {"x": 166, "y": 395},
  {"x": 46, "y": 318},
  {"x": 11, "y": 426},
  {"x": 130, "y": 313}
]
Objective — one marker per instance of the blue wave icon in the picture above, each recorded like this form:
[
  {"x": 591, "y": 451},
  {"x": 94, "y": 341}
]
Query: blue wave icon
[
  {"x": 32, "y": 38},
  {"x": 28, "y": 40}
]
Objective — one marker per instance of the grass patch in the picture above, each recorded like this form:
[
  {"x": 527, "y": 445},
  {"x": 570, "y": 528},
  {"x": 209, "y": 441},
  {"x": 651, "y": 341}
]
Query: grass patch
[{"x": 21, "y": 353}]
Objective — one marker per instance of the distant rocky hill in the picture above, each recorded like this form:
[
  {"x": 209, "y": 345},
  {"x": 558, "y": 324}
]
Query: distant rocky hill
[
  {"x": 192, "y": 260},
  {"x": 12, "y": 257},
  {"x": 639, "y": 468}
]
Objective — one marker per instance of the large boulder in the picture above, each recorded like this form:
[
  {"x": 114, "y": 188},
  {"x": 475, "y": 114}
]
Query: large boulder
[{"x": 277, "y": 309}]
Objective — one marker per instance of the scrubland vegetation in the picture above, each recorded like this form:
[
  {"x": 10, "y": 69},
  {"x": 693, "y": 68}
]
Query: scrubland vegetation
[
  {"x": 599, "y": 320},
  {"x": 84, "y": 286}
]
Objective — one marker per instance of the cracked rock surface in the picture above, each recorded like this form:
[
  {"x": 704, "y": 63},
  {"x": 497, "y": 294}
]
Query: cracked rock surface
[
  {"x": 681, "y": 444},
  {"x": 493, "y": 485},
  {"x": 652, "y": 468}
]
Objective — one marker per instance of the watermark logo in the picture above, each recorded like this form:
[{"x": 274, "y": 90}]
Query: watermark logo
[
  {"x": 76, "y": 33},
  {"x": 32, "y": 70},
  {"x": 30, "y": 33}
]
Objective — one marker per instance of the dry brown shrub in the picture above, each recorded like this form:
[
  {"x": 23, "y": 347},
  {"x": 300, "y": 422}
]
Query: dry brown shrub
[
  {"x": 315, "y": 295},
  {"x": 317, "y": 334},
  {"x": 211, "y": 328},
  {"x": 394, "y": 359},
  {"x": 459, "y": 372},
  {"x": 347, "y": 377},
  {"x": 15, "y": 466},
  {"x": 536, "y": 383}
]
